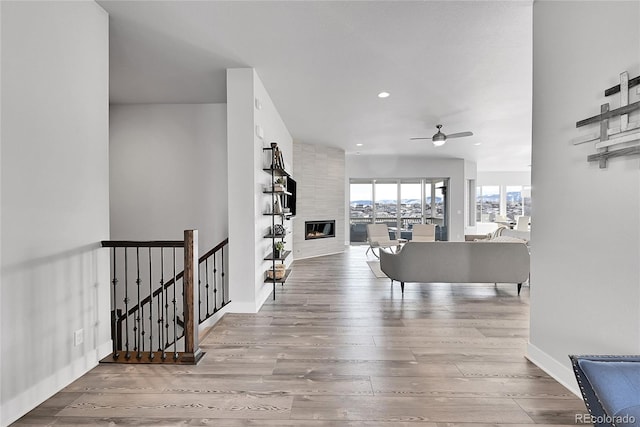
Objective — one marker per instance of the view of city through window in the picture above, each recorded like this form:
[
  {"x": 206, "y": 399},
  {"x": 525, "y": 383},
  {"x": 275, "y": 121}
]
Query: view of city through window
[
  {"x": 517, "y": 201},
  {"x": 397, "y": 203}
]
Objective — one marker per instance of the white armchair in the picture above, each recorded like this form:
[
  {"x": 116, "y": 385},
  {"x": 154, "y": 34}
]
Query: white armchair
[
  {"x": 522, "y": 223},
  {"x": 378, "y": 237},
  {"x": 423, "y": 233}
]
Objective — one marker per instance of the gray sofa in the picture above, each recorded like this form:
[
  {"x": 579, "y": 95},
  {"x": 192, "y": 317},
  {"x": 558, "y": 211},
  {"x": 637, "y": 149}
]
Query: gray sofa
[{"x": 458, "y": 262}]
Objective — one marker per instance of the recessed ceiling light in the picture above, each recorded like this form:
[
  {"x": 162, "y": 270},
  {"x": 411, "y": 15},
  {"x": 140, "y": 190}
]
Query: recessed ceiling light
[
  {"x": 478, "y": 143},
  {"x": 383, "y": 95},
  {"x": 358, "y": 145}
]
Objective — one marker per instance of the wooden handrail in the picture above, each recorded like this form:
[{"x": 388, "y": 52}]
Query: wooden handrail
[
  {"x": 139, "y": 244},
  {"x": 214, "y": 250}
]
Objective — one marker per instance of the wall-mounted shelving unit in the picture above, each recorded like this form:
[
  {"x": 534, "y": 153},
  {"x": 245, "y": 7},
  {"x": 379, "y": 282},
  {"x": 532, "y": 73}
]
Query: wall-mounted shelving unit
[{"x": 281, "y": 199}]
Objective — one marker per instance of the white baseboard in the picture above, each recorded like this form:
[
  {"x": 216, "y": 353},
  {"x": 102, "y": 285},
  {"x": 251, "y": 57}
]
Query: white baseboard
[
  {"x": 265, "y": 292},
  {"x": 554, "y": 368},
  {"x": 242, "y": 307},
  {"x": 211, "y": 321},
  {"x": 16, "y": 407},
  {"x": 316, "y": 256}
]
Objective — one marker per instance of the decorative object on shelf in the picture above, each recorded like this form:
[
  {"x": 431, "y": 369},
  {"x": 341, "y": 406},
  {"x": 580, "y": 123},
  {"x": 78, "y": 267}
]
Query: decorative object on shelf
[
  {"x": 272, "y": 155},
  {"x": 277, "y": 161},
  {"x": 278, "y": 248},
  {"x": 277, "y": 204},
  {"x": 278, "y": 230},
  {"x": 277, "y": 272},
  {"x": 627, "y": 133}
]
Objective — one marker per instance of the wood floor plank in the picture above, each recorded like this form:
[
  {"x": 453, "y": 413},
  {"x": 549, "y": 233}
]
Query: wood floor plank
[
  {"x": 450, "y": 342},
  {"x": 300, "y": 330},
  {"x": 288, "y": 339},
  {"x": 339, "y": 347},
  {"x": 377, "y": 408},
  {"x": 552, "y": 410},
  {"x": 468, "y": 323},
  {"x": 469, "y": 387},
  {"x": 515, "y": 369},
  {"x": 272, "y": 385},
  {"x": 468, "y": 354},
  {"x": 365, "y": 367},
  {"x": 179, "y": 404}
]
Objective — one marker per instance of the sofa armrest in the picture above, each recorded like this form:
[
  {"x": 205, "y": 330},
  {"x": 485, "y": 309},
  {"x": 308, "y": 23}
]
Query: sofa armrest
[{"x": 389, "y": 263}]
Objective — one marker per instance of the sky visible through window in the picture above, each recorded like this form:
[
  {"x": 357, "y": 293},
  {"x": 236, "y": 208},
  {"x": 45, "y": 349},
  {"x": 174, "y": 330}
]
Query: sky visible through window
[{"x": 384, "y": 191}]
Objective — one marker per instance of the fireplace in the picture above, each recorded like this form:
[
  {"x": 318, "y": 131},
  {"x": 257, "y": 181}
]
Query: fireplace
[{"x": 319, "y": 229}]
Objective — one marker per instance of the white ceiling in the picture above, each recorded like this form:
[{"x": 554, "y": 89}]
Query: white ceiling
[{"x": 467, "y": 65}]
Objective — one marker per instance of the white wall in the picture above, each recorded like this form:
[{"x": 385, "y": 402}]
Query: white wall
[
  {"x": 55, "y": 198},
  {"x": 1, "y": 134},
  {"x": 504, "y": 178},
  {"x": 168, "y": 172},
  {"x": 585, "y": 278},
  {"x": 360, "y": 166},
  {"x": 247, "y": 203},
  {"x": 320, "y": 174}
]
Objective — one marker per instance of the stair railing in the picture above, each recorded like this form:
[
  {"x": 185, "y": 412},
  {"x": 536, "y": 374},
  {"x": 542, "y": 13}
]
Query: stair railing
[{"x": 159, "y": 324}]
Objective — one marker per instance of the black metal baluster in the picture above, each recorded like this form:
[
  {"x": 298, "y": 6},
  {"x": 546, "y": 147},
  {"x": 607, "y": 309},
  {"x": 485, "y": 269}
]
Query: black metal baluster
[
  {"x": 175, "y": 320},
  {"x": 222, "y": 275},
  {"x": 150, "y": 308},
  {"x": 206, "y": 279},
  {"x": 165, "y": 318},
  {"x": 114, "y": 322},
  {"x": 199, "y": 295},
  {"x": 215, "y": 284},
  {"x": 159, "y": 321},
  {"x": 127, "y": 355},
  {"x": 138, "y": 330}
]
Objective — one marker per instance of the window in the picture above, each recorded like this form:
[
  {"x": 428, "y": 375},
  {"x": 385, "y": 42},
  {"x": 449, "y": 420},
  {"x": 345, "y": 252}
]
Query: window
[
  {"x": 386, "y": 203},
  {"x": 438, "y": 201},
  {"x": 508, "y": 201},
  {"x": 410, "y": 204},
  {"x": 360, "y": 210},
  {"x": 526, "y": 200},
  {"x": 399, "y": 203},
  {"x": 487, "y": 202},
  {"x": 361, "y": 203},
  {"x": 514, "y": 202},
  {"x": 428, "y": 198}
]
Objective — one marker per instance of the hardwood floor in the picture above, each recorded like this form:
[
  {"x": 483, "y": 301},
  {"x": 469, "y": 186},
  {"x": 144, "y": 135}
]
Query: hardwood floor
[{"x": 339, "y": 347}]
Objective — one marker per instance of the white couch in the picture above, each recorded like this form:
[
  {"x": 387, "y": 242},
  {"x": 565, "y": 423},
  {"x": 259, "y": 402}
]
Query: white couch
[{"x": 458, "y": 262}]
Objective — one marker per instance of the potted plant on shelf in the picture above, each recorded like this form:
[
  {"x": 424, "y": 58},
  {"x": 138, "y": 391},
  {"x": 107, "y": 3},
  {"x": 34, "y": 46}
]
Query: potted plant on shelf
[{"x": 277, "y": 249}]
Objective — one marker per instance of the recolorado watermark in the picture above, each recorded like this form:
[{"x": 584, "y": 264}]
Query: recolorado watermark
[{"x": 605, "y": 419}]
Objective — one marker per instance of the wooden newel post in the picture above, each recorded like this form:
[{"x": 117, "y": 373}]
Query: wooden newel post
[{"x": 192, "y": 349}]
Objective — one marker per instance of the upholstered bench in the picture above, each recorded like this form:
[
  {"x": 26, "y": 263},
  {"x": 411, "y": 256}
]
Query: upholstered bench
[{"x": 610, "y": 386}]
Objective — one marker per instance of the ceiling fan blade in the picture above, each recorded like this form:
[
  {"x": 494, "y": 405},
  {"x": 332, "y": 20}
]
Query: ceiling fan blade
[
  {"x": 459, "y": 134},
  {"x": 414, "y": 139}
]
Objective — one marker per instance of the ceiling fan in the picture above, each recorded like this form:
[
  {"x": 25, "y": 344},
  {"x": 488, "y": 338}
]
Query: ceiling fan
[{"x": 440, "y": 138}]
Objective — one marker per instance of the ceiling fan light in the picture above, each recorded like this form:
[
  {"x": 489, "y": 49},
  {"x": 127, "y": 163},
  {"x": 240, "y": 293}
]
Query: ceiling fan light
[
  {"x": 439, "y": 139},
  {"x": 438, "y": 142}
]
